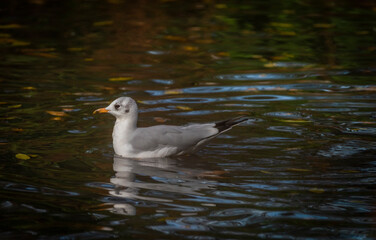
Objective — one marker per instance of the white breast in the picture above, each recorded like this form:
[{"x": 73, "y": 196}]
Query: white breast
[{"x": 128, "y": 152}]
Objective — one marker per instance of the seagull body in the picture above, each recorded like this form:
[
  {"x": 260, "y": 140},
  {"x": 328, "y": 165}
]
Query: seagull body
[{"x": 161, "y": 140}]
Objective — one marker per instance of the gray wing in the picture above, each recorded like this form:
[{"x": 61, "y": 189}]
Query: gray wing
[{"x": 181, "y": 137}]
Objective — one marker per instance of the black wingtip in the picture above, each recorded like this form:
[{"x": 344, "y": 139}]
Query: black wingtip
[{"x": 229, "y": 123}]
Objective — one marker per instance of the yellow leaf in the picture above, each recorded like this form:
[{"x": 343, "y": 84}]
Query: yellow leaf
[
  {"x": 316, "y": 190},
  {"x": 269, "y": 65},
  {"x": 17, "y": 43},
  {"x": 173, "y": 91},
  {"x": 56, "y": 118},
  {"x": 298, "y": 170},
  {"x": 4, "y": 35},
  {"x": 56, "y": 113},
  {"x": 184, "y": 108},
  {"x": 33, "y": 155},
  {"x": 175, "y": 38},
  {"x": 266, "y": 172},
  {"x": 220, "y": 5},
  {"x": 15, "y": 106},
  {"x": 204, "y": 41},
  {"x": 323, "y": 25},
  {"x": 29, "y": 88},
  {"x": 103, "y": 23},
  {"x": 39, "y": 50},
  {"x": 22, "y": 156},
  {"x": 43, "y": 54},
  {"x": 294, "y": 120},
  {"x": 10, "y": 26},
  {"x": 115, "y": 1},
  {"x": 160, "y": 119},
  {"x": 118, "y": 79},
  {"x": 17, "y": 130},
  {"x": 75, "y": 49},
  {"x": 282, "y": 25},
  {"x": 223, "y": 54},
  {"x": 257, "y": 56},
  {"x": 287, "y": 33},
  {"x": 190, "y": 48},
  {"x": 349, "y": 171},
  {"x": 362, "y": 32},
  {"x": 8, "y": 118}
]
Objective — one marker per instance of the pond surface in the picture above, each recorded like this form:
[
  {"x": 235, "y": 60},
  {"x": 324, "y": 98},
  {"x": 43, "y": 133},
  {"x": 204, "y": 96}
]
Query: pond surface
[{"x": 303, "y": 167}]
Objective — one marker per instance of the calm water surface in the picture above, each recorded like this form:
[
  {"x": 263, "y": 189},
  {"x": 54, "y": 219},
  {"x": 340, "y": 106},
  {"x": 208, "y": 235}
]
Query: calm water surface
[{"x": 303, "y": 167}]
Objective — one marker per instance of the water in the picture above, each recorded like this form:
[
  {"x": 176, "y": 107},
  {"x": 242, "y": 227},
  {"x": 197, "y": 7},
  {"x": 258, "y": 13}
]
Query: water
[{"x": 302, "y": 168}]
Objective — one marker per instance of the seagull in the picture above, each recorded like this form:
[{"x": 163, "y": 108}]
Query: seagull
[{"x": 130, "y": 141}]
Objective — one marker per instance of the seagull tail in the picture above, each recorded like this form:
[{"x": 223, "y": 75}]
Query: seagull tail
[{"x": 226, "y": 125}]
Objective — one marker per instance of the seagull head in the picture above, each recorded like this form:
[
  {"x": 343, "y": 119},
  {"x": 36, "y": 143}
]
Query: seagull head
[{"x": 121, "y": 108}]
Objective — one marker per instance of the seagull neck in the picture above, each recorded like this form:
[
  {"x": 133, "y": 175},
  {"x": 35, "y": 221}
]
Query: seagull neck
[{"x": 125, "y": 125}]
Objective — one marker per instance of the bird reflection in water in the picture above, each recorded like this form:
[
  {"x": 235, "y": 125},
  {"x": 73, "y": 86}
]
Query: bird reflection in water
[{"x": 156, "y": 180}]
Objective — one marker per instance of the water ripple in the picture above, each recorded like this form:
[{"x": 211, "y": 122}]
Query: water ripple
[{"x": 279, "y": 76}]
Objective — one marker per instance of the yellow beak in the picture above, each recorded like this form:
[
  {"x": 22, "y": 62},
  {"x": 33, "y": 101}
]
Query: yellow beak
[{"x": 100, "y": 110}]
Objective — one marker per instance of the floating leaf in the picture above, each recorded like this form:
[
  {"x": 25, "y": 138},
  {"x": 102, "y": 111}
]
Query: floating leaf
[
  {"x": 115, "y": 1},
  {"x": 29, "y": 88},
  {"x": 103, "y": 23},
  {"x": 204, "y": 41},
  {"x": 10, "y": 26},
  {"x": 42, "y": 54},
  {"x": 316, "y": 190},
  {"x": 5, "y": 35},
  {"x": 223, "y": 54},
  {"x": 57, "y": 113},
  {"x": 17, "y": 43},
  {"x": 175, "y": 38},
  {"x": 160, "y": 119},
  {"x": 294, "y": 120},
  {"x": 190, "y": 48},
  {"x": 17, "y": 130},
  {"x": 39, "y": 50},
  {"x": 173, "y": 91},
  {"x": 323, "y": 25},
  {"x": 15, "y": 106},
  {"x": 75, "y": 49},
  {"x": 8, "y": 118},
  {"x": 362, "y": 32},
  {"x": 266, "y": 172},
  {"x": 118, "y": 79},
  {"x": 56, "y": 118},
  {"x": 269, "y": 65},
  {"x": 22, "y": 156},
  {"x": 298, "y": 170},
  {"x": 282, "y": 25},
  {"x": 184, "y": 108},
  {"x": 220, "y": 5},
  {"x": 349, "y": 171},
  {"x": 287, "y": 33},
  {"x": 256, "y": 56}
]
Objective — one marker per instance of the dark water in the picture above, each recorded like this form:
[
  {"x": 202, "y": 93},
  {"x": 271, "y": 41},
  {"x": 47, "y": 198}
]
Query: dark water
[{"x": 304, "y": 167}]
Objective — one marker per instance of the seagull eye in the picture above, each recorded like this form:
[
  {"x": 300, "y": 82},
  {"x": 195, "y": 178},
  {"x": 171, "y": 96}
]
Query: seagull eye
[
  {"x": 117, "y": 106},
  {"x": 126, "y": 110}
]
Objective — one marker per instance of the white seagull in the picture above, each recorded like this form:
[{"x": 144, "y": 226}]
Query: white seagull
[{"x": 158, "y": 141}]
